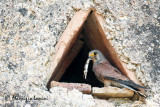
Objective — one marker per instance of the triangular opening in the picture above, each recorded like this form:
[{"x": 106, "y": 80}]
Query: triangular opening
[
  {"x": 91, "y": 38},
  {"x": 84, "y": 33},
  {"x": 74, "y": 73}
]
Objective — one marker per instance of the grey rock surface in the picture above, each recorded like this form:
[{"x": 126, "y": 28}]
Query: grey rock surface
[{"x": 29, "y": 31}]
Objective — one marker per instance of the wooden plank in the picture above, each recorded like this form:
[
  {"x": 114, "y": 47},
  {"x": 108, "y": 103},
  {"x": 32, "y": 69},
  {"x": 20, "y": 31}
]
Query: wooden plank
[{"x": 112, "y": 92}]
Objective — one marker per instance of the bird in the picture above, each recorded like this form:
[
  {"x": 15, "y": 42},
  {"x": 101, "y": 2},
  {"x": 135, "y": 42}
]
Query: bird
[{"x": 109, "y": 75}]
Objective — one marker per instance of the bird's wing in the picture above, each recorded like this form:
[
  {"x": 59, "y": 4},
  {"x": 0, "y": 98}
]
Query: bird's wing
[
  {"x": 104, "y": 69},
  {"x": 107, "y": 71}
]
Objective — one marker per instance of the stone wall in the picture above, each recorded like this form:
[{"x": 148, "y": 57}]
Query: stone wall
[{"x": 30, "y": 29}]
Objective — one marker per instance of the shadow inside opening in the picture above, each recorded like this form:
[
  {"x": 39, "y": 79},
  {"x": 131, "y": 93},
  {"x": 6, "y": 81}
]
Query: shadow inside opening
[{"x": 74, "y": 73}]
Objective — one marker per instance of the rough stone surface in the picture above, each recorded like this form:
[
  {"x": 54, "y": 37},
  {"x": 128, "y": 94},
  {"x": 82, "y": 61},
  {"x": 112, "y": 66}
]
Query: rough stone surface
[{"x": 30, "y": 29}]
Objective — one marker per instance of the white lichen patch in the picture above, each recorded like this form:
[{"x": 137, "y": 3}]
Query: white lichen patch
[
  {"x": 124, "y": 59},
  {"x": 131, "y": 66},
  {"x": 72, "y": 98}
]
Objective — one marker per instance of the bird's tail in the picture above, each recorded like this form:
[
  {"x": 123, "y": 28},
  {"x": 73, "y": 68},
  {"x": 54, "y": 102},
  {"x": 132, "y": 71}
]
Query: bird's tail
[
  {"x": 133, "y": 89},
  {"x": 129, "y": 84},
  {"x": 126, "y": 82}
]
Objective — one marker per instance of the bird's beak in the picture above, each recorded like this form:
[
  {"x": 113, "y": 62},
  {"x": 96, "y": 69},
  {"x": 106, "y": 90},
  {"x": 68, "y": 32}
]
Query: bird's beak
[{"x": 91, "y": 55}]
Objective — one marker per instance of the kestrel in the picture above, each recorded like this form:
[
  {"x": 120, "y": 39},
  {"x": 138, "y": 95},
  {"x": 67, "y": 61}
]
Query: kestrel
[{"x": 108, "y": 74}]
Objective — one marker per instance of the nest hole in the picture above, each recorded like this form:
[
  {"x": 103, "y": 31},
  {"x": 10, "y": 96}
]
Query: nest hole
[{"x": 74, "y": 73}]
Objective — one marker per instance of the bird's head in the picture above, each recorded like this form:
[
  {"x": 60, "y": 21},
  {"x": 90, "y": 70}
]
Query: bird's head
[{"x": 96, "y": 56}]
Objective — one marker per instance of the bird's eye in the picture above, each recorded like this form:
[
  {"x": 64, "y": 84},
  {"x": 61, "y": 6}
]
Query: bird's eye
[{"x": 95, "y": 53}]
